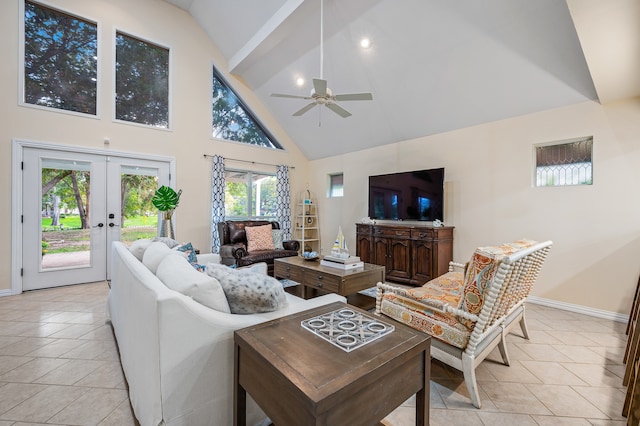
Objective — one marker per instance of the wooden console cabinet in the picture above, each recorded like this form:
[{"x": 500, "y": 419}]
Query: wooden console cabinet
[{"x": 412, "y": 254}]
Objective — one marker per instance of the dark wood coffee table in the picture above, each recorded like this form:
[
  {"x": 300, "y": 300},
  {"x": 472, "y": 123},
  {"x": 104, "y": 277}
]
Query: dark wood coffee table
[
  {"x": 314, "y": 276},
  {"x": 297, "y": 378}
]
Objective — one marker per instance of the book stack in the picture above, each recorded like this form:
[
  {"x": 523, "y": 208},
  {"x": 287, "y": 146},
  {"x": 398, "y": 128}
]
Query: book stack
[{"x": 344, "y": 263}]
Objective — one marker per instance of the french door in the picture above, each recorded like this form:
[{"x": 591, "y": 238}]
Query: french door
[{"x": 75, "y": 204}]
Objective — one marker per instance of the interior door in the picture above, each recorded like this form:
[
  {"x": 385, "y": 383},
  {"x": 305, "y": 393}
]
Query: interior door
[{"x": 75, "y": 205}]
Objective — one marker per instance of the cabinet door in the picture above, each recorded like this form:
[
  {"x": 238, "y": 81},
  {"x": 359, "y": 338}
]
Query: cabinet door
[
  {"x": 363, "y": 248},
  {"x": 421, "y": 258},
  {"x": 381, "y": 252},
  {"x": 399, "y": 259}
]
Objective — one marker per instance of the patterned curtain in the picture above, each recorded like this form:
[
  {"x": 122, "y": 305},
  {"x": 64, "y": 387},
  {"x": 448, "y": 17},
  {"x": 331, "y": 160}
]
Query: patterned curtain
[
  {"x": 217, "y": 200},
  {"x": 283, "y": 201}
]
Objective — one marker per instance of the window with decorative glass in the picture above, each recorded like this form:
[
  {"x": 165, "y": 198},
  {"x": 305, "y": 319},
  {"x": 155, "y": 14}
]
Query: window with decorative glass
[
  {"x": 250, "y": 195},
  {"x": 336, "y": 185},
  {"x": 60, "y": 60},
  {"x": 142, "y": 82},
  {"x": 564, "y": 163},
  {"x": 233, "y": 121}
]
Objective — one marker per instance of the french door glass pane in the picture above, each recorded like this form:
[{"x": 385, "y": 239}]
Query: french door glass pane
[
  {"x": 65, "y": 233},
  {"x": 138, "y": 216}
]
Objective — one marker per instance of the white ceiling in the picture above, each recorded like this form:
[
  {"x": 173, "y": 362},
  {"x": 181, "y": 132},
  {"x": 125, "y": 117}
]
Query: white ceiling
[{"x": 434, "y": 66}]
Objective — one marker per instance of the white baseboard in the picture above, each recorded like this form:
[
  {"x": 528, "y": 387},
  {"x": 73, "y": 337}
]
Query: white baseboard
[
  {"x": 6, "y": 292},
  {"x": 599, "y": 313}
]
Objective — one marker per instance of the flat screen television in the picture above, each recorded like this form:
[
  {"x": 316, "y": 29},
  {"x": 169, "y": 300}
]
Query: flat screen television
[{"x": 417, "y": 195}]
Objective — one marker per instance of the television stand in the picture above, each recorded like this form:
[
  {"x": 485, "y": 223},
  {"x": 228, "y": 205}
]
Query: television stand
[{"x": 411, "y": 254}]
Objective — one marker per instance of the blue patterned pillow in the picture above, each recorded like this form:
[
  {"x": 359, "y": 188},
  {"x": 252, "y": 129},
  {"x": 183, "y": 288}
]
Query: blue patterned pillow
[{"x": 191, "y": 256}]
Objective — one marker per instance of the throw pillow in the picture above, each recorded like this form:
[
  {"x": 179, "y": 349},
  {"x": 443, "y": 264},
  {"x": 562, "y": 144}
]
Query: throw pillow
[
  {"x": 191, "y": 256},
  {"x": 248, "y": 292},
  {"x": 177, "y": 274},
  {"x": 170, "y": 242},
  {"x": 138, "y": 247},
  {"x": 278, "y": 236},
  {"x": 259, "y": 238},
  {"x": 154, "y": 254}
]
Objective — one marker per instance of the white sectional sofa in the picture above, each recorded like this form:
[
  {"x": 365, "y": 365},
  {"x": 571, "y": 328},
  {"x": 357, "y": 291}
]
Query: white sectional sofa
[{"x": 177, "y": 354}]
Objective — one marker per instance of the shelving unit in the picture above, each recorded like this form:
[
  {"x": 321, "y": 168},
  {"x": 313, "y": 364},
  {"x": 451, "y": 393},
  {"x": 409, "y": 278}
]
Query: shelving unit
[{"x": 307, "y": 227}]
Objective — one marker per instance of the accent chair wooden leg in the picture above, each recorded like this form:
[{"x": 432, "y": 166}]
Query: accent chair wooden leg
[
  {"x": 469, "y": 373},
  {"x": 523, "y": 324},
  {"x": 502, "y": 346}
]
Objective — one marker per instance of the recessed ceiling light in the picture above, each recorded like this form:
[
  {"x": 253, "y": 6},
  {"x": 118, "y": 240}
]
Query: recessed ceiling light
[
  {"x": 365, "y": 43},
  {"x": 300, "y": 81}
]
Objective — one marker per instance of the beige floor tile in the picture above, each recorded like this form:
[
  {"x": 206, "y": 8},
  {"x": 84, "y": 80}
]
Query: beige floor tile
[
  {"x": 56, "y": 349},
  {"x": 552, "y": 373},
  {"x": 563, "y": 401},
  {"x": 71, "y": 372},
  {"x": 13, "y": 394},
  {"x": 439, "y": 417},
  {"x": 516, "y": 372},
  {"x": 9, "y": 340},
  {"x": 121, "y": 416},
  {"x": 581, "y": 354},
  {"x": 25, "y": 345},
  {"x": 506, "y": 419},
  {"x": 594, "y": 374},
  {"x": 91, "y": 408},
  {"x": 542, "y": 352},
  {"x": 601, "y": 422},
  {"x": 571, "y": 338},
  {"x": 607, "y": 400},
  {"x": 560, "y": 421},
  {"x": 43, "y": 405},
  {"x": 32, "y": 370},
  {"x": 611, "y": 355},
  {"x": 74, "y": 331},
  {"x": 455, "y": 395},
  {"x": 514, "y": 398},
  {"x": 8, "y": 363},
  {"x": 109, "y": 375},
  {"x": 607, "y": 339},
  {"x": 91, "y": 349},
  {"x": 103, "y": 332},
  {"x": 44, "y": 329}
]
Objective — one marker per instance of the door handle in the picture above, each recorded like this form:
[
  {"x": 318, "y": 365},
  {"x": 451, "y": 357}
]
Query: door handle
[
  {"x": 100, "y": 225},
  {"x": 111, "y": 225}
]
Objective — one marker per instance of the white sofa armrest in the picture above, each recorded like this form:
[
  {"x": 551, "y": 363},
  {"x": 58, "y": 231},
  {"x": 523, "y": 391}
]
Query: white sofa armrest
[{"x": 205, "y": 258}]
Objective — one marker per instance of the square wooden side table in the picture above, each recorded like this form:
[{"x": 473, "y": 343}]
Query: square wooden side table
[{"x": 297, "y": 378}]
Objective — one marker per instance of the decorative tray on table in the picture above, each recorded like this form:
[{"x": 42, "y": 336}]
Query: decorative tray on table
[{"x": 347, "y": 328}]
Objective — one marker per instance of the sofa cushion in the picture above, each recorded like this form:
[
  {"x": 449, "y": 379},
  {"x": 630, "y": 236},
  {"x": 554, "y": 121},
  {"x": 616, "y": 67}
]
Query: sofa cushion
[
  {"x": 170, "y": 242},
  {"x": 259, "y": 238},
  {"x": 278, "y": 237},
  {"x": 138, "y": 247},
  {"x": 188, "y": 249},
  {"x": 177, "y": 274},
  {"x": 154, "y": 254},
  {"x": 248, "y": 291}
]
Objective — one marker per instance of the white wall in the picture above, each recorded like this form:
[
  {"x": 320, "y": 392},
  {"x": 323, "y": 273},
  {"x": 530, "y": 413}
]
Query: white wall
[
  {"x": 192, "y": 57},
  {"x": 490, "y": 199}
]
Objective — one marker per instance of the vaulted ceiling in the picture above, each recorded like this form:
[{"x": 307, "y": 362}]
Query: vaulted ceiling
[{"x": 433, "y": 65}]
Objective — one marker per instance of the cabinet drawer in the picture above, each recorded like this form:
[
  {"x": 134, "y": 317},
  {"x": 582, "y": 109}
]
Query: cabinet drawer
[
  {"x": 392, "y": 232},
  {"x": 420, "y": 234},
  {"x": 320, "y": 280},
  {"x": 293, "y": 273}
]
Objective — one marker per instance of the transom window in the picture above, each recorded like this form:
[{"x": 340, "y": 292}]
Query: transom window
[
  {"x": 232, "y": 119},
  {"x": 250, "y": 195},
  {"x": 142, "y": 82},
  {"x": 565, "y": 163},
  {"x": 60, "y": 60}
]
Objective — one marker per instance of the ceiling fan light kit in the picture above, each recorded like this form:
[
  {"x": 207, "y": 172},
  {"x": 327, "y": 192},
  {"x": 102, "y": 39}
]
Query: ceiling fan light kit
[{"x": 321, "y": 94}]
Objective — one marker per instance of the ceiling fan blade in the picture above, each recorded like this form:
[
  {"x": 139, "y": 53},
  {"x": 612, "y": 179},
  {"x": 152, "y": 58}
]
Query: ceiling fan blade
[
  {"x": 338, "y": 110},
  {"x": 304, "y": 109},
  {"x": 282, "y": 95},
  {"x": 320, "y": 86},
  {"x": 354, "y": 97}
]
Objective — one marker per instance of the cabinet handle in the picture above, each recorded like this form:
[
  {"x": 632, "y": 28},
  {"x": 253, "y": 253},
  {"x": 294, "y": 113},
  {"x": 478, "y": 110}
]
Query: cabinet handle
[
  {"x": 319, "y": 277},
  {"x": 422, "y": 235},
  {"x": 399, "y": 233},
  {"x": 319, "y": 284}
]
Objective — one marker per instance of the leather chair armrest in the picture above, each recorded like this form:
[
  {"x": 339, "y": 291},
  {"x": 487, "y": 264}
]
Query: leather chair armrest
[
  {"x": 234, "y": 251},
  {"x": 291, "y": 245}
]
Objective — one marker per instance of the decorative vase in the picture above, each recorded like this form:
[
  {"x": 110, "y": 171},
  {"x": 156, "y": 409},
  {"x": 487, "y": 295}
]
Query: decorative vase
[{"x": 166, "y": 230}]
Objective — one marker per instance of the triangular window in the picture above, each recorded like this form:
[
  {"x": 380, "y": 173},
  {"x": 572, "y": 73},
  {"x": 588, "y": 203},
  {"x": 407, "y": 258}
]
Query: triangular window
[{"x": 232, "y": 119}]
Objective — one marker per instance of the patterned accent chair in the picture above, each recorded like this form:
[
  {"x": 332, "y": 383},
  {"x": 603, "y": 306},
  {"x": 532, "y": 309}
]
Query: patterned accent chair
[
  {"x": 233, "y": 245},
  {"x": 469, "y": 313}
]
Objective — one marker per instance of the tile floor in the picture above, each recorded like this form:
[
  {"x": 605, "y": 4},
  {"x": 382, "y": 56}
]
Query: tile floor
[{"x": 59, "y": 365}]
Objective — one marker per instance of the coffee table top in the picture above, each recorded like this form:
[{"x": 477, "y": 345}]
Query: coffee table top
[
  {"x": 316, "y": 266},
  {"x": 320, "y": 369}
]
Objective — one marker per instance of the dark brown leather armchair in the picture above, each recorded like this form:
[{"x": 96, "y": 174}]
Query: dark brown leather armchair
[{"x": 233, "y": 245}]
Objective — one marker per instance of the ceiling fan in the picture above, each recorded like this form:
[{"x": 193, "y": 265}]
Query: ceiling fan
[{"x": 321, "y": 94}]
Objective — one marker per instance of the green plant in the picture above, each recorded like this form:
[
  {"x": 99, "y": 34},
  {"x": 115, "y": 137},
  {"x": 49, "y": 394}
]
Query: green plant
[
  {"x": 166, "y": 200},
  {"x": 45, "y": 246}
]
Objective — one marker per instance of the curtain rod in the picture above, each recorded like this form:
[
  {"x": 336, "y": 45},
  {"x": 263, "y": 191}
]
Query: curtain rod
[{"x": 247, "y": 161}]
